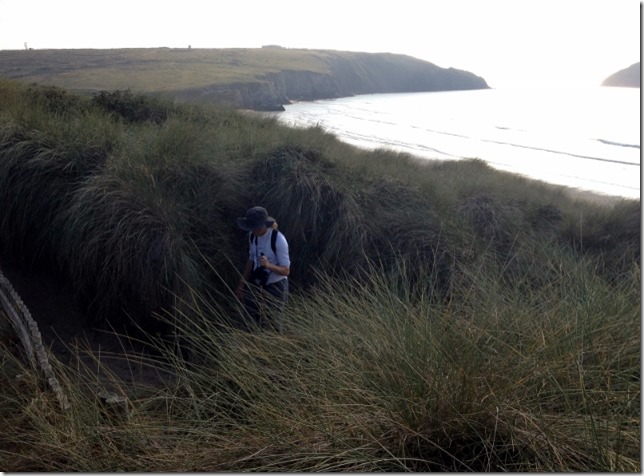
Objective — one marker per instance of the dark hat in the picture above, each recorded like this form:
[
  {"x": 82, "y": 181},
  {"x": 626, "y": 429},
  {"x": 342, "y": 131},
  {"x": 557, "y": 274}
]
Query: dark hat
[{"x": 255, "y": 218}]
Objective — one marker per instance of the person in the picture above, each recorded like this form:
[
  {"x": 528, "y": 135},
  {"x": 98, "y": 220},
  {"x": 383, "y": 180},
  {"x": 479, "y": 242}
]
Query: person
[{"x": 264, "y": 285}]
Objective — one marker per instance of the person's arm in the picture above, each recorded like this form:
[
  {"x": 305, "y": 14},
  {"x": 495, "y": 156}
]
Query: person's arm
[
  {"x": 281, "y": 270},
  {"x": 281, "y": 255}
]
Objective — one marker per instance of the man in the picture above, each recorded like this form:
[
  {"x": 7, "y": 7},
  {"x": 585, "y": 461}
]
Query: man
[{"x": 264, "y": 284}]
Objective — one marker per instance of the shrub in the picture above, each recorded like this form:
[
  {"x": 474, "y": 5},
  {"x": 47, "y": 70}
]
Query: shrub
[{"x": 132, "y": 107}]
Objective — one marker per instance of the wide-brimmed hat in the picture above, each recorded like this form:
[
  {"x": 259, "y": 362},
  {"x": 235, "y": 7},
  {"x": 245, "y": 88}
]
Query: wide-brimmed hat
[{"x": 255, "y": 218}]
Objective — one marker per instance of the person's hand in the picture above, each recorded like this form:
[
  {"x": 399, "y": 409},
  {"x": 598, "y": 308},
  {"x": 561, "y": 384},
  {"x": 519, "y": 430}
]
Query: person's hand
[
  {"x": 263, "y": 261},
  {"x": 239, "y": 291}
]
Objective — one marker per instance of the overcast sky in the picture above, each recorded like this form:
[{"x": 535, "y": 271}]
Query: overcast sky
[{"x": 507, "y": 42}]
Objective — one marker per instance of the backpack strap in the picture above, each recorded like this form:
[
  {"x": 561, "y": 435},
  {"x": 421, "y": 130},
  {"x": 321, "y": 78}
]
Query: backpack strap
[{"x": 273, "y": 240}]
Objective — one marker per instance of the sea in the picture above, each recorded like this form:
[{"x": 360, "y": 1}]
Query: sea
[{"x": 587, "y": 138}]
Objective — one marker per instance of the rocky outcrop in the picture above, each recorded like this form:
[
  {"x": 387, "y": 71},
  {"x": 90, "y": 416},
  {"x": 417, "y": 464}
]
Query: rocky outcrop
[
  {"x": 260, "y": 96},
  {"x": 348, "y": 74},
  {"x": 269, "y": 93},
  {"x": 627, "y": 77}
]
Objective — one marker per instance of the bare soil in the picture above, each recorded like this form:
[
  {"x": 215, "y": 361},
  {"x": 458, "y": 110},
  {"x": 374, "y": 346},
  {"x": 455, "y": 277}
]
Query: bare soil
[{"x": 66, "y": 332}]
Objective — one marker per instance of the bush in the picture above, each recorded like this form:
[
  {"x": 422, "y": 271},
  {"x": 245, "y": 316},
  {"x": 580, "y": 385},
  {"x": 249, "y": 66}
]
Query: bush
[{"x": 132, "y": 107}]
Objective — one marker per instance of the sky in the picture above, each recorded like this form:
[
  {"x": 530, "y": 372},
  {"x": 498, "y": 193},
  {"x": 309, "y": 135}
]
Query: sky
[{"x": 507, "y": 42}]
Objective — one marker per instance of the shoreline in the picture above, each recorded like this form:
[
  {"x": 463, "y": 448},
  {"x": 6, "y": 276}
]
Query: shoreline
[{"x": 569, "y": 148}]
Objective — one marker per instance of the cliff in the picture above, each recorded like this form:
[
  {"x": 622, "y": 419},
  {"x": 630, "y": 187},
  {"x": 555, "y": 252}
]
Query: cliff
[
  {"x": 627, "y": 77},
  {"x": 259, "y": 78},
  {"x": 347, "y": 74}
]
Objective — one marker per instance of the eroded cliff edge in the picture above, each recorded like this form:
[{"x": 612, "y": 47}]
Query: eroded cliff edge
[{"x": 347, "y": 74}]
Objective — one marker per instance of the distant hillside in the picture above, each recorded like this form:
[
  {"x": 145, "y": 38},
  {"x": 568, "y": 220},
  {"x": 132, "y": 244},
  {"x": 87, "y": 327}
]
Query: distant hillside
[
  {"x": 260, "y": 78},
  {"x": 628, "y": 77}
]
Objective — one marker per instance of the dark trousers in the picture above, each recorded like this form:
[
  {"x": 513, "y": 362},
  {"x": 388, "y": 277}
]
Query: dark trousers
[{"x": 265, "y": 304}]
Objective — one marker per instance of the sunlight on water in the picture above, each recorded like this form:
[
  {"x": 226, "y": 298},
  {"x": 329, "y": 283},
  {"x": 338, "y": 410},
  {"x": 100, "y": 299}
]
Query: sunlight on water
[{"x": 587, "y": 138}]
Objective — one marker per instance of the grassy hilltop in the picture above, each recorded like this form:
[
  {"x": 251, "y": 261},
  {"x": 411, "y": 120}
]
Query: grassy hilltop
[
  {"x": 252, "y": 78},
  {"x": 445, "y": 316}
]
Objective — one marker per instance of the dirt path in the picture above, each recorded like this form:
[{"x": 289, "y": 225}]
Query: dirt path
[{"x": 68, "y": 336}]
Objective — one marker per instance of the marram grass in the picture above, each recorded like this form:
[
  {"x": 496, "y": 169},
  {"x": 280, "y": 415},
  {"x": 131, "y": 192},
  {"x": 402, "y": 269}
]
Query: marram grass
[
  {"x": 367, "y": 379},
  {"x": 137, "y": 189},
  {"x": 444, "y": 316}
]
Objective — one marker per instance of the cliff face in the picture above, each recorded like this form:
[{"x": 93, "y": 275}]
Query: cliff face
[
  {"x": 269, "y": 93},
  {"x": 628, "y": 77},
  {"x": 364, "y": 73},
  {"x": 348, "y": 74}
]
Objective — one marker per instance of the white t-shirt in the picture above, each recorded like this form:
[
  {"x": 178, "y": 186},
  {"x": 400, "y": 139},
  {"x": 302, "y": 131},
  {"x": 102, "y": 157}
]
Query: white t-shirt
[{"x": 281, "y": 258}]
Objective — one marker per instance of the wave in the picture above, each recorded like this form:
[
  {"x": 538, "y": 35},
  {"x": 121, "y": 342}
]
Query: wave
[
  {"x": 569, "y": 154},
  {"x": 425, "y": 147},
  {"x": 511, "y": 144},
  {"x": 618, "y": 144},
  {"x": 370, "y": 140},
  {"x": 388, "y": 142}
]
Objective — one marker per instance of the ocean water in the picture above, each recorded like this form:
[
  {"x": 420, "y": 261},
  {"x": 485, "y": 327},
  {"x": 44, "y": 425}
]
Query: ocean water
[{"x": 586, "y": 138}]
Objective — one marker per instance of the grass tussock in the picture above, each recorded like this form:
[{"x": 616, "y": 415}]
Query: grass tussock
[
  {"x": 445, "y": 316},
  {"x": 369, "y": 376}
]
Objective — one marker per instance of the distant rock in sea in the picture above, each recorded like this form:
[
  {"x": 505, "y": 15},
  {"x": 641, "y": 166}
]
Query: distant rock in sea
[{"x": 628, "y": 77}]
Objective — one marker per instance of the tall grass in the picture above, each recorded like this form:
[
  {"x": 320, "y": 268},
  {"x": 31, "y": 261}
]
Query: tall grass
[
  {"x": 139, "y": 189},
  {"x": 445, "y": 316},
  {"x": 374, "y": 376}
]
